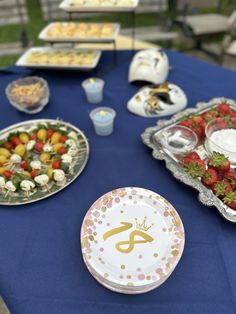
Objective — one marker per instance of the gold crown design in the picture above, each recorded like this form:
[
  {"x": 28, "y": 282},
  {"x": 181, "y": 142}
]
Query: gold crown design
[{"x": 142, "y": 226}]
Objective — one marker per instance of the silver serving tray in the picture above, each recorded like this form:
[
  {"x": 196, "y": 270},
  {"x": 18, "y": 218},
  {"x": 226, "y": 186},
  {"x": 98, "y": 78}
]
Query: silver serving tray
[
  {"x": 205, "y": 196},
  {"x": 78, "y": 166}
]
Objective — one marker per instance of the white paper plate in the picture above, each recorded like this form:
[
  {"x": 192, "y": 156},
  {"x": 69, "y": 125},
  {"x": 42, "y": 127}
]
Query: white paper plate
[
  {"x": 132, "y": 239},
  {"x": 67, "y": 5},
  {"x": 44, "y": 36},
  {"x": 22, "y": 61}
]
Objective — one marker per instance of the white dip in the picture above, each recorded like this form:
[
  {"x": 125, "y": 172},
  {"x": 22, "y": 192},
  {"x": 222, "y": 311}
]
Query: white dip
[{"x": 224, "y": 141}]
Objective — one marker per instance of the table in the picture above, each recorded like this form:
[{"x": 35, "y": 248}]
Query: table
[{"x": 41, "y": 267}]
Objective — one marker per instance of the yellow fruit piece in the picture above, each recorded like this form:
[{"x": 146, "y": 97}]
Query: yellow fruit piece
[
  {"x": 26, "y": 173},
  {"x": 5, "y": 152},
  {"x": 3, "y": 169},
  {"x": 41, "y": 134},
  {"x": 57, "y": 146},
  {"x": 44, "y": 157},
  {"x": 3, "y": 159},
  {"x": 50, "y": 173},
  {"x": 55, "y": 138},
  {"x": 24, "y": 137},
  {"x": 20, "y": 150}
]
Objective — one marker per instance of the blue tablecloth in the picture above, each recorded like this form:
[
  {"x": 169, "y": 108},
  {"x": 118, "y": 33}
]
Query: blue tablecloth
[{"x": 41, "y": 267}]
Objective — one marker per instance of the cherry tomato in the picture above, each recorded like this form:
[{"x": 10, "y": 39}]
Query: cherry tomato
[
  {"x": 62, "y": 150},
  {"x": 34, "y": 136},
  {"x": 56, "y": 164},
  {"x": 8, "y": 145},
  {"x": 39, "y": 146},
  {"x": 63, "y": 138},
  {"x": 24, "y": 164},
  {"x": 8, "y": 174},
  {"x": 33, "y": 173},
  {"x": 15, "y": 141},
  {"x": 49, "y": 134}
]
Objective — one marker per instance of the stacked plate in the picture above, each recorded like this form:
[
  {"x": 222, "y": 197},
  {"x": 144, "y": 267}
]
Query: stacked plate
[{"x": 132, "y": 239}]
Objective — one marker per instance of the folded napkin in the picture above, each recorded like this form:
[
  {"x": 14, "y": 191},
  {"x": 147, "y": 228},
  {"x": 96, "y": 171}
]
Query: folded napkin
[{"x": 3, "y": 307}]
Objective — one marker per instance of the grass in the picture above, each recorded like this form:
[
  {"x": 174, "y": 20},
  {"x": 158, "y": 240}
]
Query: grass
[
  {"x": 36, "y": 23},
  {"x": 11, "y": 33}
]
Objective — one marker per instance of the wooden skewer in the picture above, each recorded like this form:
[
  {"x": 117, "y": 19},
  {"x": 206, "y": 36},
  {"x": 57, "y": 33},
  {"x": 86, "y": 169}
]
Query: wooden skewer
[{"x": 8, "y": 191}]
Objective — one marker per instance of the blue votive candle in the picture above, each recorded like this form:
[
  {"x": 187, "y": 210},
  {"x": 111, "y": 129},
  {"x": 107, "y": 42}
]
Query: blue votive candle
[
  {"x": 103, "y": 120},
  {"x": 93, "y": 88}
]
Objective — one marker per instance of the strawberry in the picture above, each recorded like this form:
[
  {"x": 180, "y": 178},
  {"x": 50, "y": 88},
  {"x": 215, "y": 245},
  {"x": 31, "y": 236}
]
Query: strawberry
[
  {"x": 56, "y": 164},
  {"x": 34, "y": 173},
  {"x": 232, "y": 114},
  {"x": 219, "y": 162},
  {"x": 196, "y": 168},
  {"x": 197, "y": 119},
  {"x": 221, "y": 123},
  {"x": 193, "y": 155},
  {"x": 8, "y": 174},
  {"x": 231, "y": 177},
  {"x": 39, "y": 146},
  {"x": 232, "y": 122},
  {"x": 210, "y": 115},
  {"x": 190, "y": 156},
  {"x": 223, "y": 108},
  {"x": 210, "y": 177},
  {"x": 186, "y": 161},
  {"x": 186, "y": 122},
  {"x": 203, "y": 125},
  {"x": 49, "y": 134},
  {"x": 63, "y": 138},
  {"x": 197, "y": 128},
  {"x": 221, "y": 188},
  {"x": 230, "y": 199}
]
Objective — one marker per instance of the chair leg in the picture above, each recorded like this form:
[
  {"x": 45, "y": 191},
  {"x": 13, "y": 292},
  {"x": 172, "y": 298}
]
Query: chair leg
[
  {"x": 24, "y": 38},
  {"x": 221, "y": 58},
  {"x": 198, "y": 44}
]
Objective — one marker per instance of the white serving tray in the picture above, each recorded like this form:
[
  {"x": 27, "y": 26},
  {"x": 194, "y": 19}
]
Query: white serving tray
[
  {"x": 66, "y": 6},
  {"x": 43, "y": 35},
  {"x": 22, "y": 61}
]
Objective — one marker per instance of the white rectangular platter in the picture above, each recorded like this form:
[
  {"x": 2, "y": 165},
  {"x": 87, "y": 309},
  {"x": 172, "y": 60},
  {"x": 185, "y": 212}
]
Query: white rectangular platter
[
  {"x": 23, "y": 60},
  {"x": 80, "y": 38},
  {"x": 71, "y": 6}
]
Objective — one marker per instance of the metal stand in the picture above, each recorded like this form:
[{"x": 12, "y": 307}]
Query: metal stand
[
  {"x": 133, "y": 30},
  {"x": 23, "y": 33}
]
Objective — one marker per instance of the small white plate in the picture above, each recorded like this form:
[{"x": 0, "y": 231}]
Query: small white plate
[
  {"x": 44, "y": 36},
  {"x": 69, "y": 6},
  {"x": 132, "y": 239},
  {"x": 22, "y": 61}
]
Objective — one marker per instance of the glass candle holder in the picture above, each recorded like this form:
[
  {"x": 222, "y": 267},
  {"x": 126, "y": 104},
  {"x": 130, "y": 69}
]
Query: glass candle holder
[
  {"x": 103, "y": 120},
  {"x": 93, "y": 88}
]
